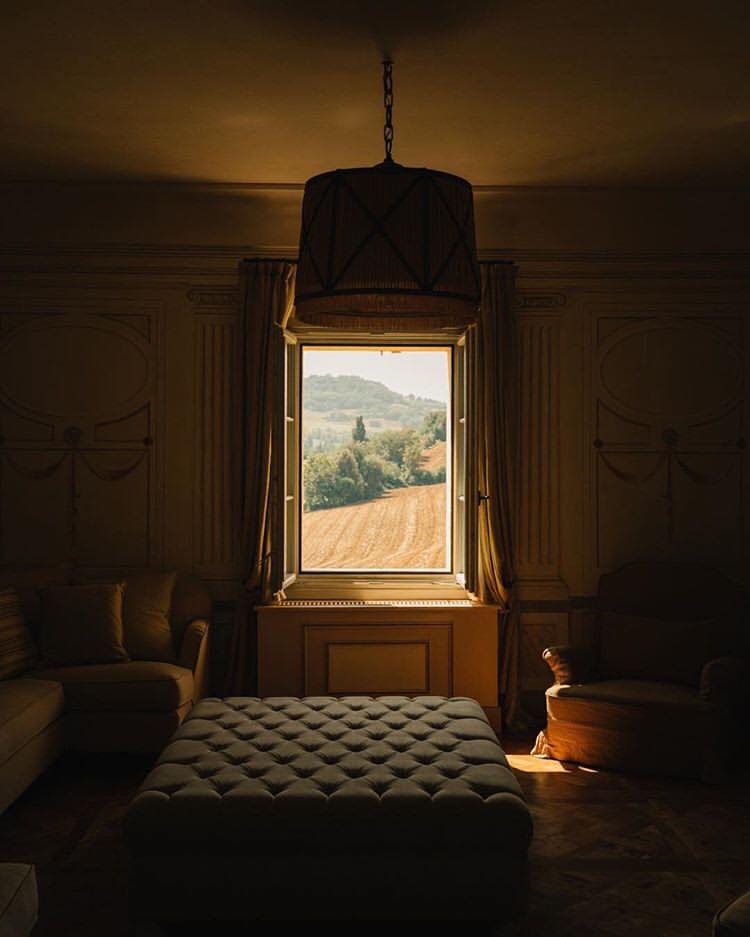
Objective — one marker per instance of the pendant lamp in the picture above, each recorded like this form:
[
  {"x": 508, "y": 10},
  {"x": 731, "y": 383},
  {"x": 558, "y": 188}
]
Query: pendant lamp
[{"x": 387, "y": 246}]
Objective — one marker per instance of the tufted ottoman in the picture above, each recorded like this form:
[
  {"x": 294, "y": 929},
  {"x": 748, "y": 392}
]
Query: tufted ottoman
[{"x": 330, "y": 808}]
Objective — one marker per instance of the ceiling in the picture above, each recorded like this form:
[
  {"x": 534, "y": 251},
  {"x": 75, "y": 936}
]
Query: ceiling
[{"x": 512, "y": 92}]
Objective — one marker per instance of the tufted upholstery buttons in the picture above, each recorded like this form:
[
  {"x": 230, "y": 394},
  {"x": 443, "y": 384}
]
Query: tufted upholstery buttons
[{"x": 283, "y": 769}]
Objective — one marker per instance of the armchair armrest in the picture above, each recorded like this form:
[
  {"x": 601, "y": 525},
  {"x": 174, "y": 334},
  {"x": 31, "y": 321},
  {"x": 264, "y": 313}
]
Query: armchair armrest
[
  {"x": 570, "y": 664},
  {"x": 194, "y": 655},
  {"x": 722, "y": 679}
]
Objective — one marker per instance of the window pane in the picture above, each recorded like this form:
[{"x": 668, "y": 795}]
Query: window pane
[{"x": 376, "y": 458}]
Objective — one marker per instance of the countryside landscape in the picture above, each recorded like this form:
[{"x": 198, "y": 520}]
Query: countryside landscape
[{"x": 374, "y": 476}]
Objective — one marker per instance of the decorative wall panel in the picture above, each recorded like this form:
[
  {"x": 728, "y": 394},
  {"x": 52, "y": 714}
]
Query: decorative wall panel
[
  {"x": 72, "y": 367},
  {"x": 112, "y": 515},
  {"x": 216, "y": 502},
  {"x": 36, "y": 506},
  {"x": 78, "y": 395},
  {"x": 667, "y": 414},
  {"x": 540, "y": 630},
  {"x": 538, "y": 529}
]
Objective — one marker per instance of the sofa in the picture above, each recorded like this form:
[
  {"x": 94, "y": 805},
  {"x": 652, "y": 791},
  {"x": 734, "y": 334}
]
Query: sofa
[
  {"x": 131, "y": 704},
  {"x": 19, "y": 899},
  {"x": 656, "y": 682},
  {"x": 734, "y": 919}
]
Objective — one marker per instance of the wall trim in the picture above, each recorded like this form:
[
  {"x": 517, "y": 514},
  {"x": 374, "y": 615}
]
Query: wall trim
[
  {"x": 238, "y": 188},
  {"x": 195, "y": 260},
  {"x": 234, "y": 251}
]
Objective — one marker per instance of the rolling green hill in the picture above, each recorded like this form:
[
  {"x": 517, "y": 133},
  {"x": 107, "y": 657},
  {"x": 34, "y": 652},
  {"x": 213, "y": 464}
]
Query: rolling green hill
[{"x": 344, "y": 397}]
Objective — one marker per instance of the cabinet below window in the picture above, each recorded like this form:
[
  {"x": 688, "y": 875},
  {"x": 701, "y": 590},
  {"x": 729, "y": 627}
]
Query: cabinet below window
[{"x": 350, "y": 650}]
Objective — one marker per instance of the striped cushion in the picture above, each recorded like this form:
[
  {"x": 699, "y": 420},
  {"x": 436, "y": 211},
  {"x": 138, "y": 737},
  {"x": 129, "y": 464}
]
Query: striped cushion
[{"x": 17, "y": 653}]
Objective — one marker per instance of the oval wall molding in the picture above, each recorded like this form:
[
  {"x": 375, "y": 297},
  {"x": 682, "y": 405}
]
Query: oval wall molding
[
  {"x": 672, "y": 368},
  {"x": 72, "y": 368}
]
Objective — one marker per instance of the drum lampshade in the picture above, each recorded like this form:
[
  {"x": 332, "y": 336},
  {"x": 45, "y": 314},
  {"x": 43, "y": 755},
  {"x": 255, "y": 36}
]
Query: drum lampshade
[{"x": 387, "y": 247}]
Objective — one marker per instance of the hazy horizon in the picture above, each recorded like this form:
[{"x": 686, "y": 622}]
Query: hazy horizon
[{"x": 421, "y": 373}]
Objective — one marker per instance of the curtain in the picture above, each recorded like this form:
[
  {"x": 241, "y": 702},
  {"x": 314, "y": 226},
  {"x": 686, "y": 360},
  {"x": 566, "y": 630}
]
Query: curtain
[
  {"x": 267, "y": 289},
  {"x": 498, "y": 465}
]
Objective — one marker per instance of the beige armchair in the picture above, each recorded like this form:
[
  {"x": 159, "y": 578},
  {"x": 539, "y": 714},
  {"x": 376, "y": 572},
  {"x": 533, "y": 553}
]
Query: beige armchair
[{"x": 657, "y": 681}]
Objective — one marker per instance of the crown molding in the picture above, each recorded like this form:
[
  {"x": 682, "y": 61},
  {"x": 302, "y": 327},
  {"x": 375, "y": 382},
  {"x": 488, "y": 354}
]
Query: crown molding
[
  {"x": 245, "y": 251},
  {"x": 191, "y": 260},
  {"x": 251, "y": 188}
]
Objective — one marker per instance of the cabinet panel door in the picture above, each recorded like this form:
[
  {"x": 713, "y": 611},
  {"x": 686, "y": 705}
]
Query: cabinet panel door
[{"x": 408, "y": 660}]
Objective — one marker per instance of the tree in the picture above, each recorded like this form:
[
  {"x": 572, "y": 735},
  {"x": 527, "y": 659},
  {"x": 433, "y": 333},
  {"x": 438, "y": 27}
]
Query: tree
[
  {"x": 332, "y": 480},
  {"x": 377, "y": 473},
  {"x": 434, "y": 426},
  {"x": 392, "y": 444},
  {"x": 352, "y": 486},
  {"x": 412, "y": 459},
  {"x": 359, "y": 433},
  {"x": 321, "y": 482}
]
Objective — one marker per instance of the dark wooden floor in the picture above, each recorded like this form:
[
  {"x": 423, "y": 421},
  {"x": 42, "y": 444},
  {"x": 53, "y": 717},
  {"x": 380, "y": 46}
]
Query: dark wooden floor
[
  {"x": 612, "y": 855},
  {"x": 624, "y": 855}
]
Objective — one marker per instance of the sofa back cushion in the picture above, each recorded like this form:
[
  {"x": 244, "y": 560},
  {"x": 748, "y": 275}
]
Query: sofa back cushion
[
  {"x": 28, "y": 581},
  {"x": 17, "y": 650},
  {"x": 82, "y": 625},
  {"x": 147, "y": 604},
  {"x": 189, "y": 599},
  {"x": 634, "y": 647}
]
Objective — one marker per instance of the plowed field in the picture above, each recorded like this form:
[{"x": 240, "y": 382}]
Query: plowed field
[{"x": 403, "y": 529}]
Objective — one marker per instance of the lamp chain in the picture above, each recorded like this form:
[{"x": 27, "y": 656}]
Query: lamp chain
[{"x": 388, "y": 104}]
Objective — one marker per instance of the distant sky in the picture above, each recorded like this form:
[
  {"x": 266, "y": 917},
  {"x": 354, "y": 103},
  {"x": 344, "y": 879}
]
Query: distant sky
[{"x": 422, "y": 373}]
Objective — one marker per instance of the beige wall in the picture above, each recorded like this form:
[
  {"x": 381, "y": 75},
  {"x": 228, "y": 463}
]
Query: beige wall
[
  {"x": 118, "y": 392},
  {"x": 525, "y": 220}
]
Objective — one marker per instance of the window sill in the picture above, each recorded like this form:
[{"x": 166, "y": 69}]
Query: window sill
[
  {"x": 377, "y": 603},
  {"x": 335, "y": 588}
]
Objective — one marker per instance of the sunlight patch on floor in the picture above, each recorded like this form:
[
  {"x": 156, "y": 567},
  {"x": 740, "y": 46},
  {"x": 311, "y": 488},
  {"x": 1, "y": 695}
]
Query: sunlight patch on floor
[{"x": 530, "y": 764}]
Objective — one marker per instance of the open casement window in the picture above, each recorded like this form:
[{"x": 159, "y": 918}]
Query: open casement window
[{"x": 375, "y": 491}]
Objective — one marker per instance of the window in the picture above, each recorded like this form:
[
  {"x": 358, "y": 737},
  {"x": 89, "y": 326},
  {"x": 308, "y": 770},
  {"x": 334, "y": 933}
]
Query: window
[
  {"x": 376, "y": 459},
  {"x": 376, "y": 466}
]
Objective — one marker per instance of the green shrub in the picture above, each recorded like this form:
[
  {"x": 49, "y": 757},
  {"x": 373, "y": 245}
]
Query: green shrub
[
  {"x": 392, "y": 444},
  {"x": 321, "y": 481},
  {"x": 425, "y": 477},
  {"x": 365, "y": 469}
]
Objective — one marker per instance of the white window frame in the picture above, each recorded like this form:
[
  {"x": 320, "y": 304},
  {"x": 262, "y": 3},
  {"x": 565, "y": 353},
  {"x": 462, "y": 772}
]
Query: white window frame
[{"x": 386, "y": 585}]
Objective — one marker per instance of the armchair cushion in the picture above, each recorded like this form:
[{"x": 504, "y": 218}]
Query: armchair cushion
[
  {"x": 634, "y": 647},
  {"x": 569, "y": 664},
  {"x": 135, "y": 686},
  {"x": 642, "y": 693}
]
